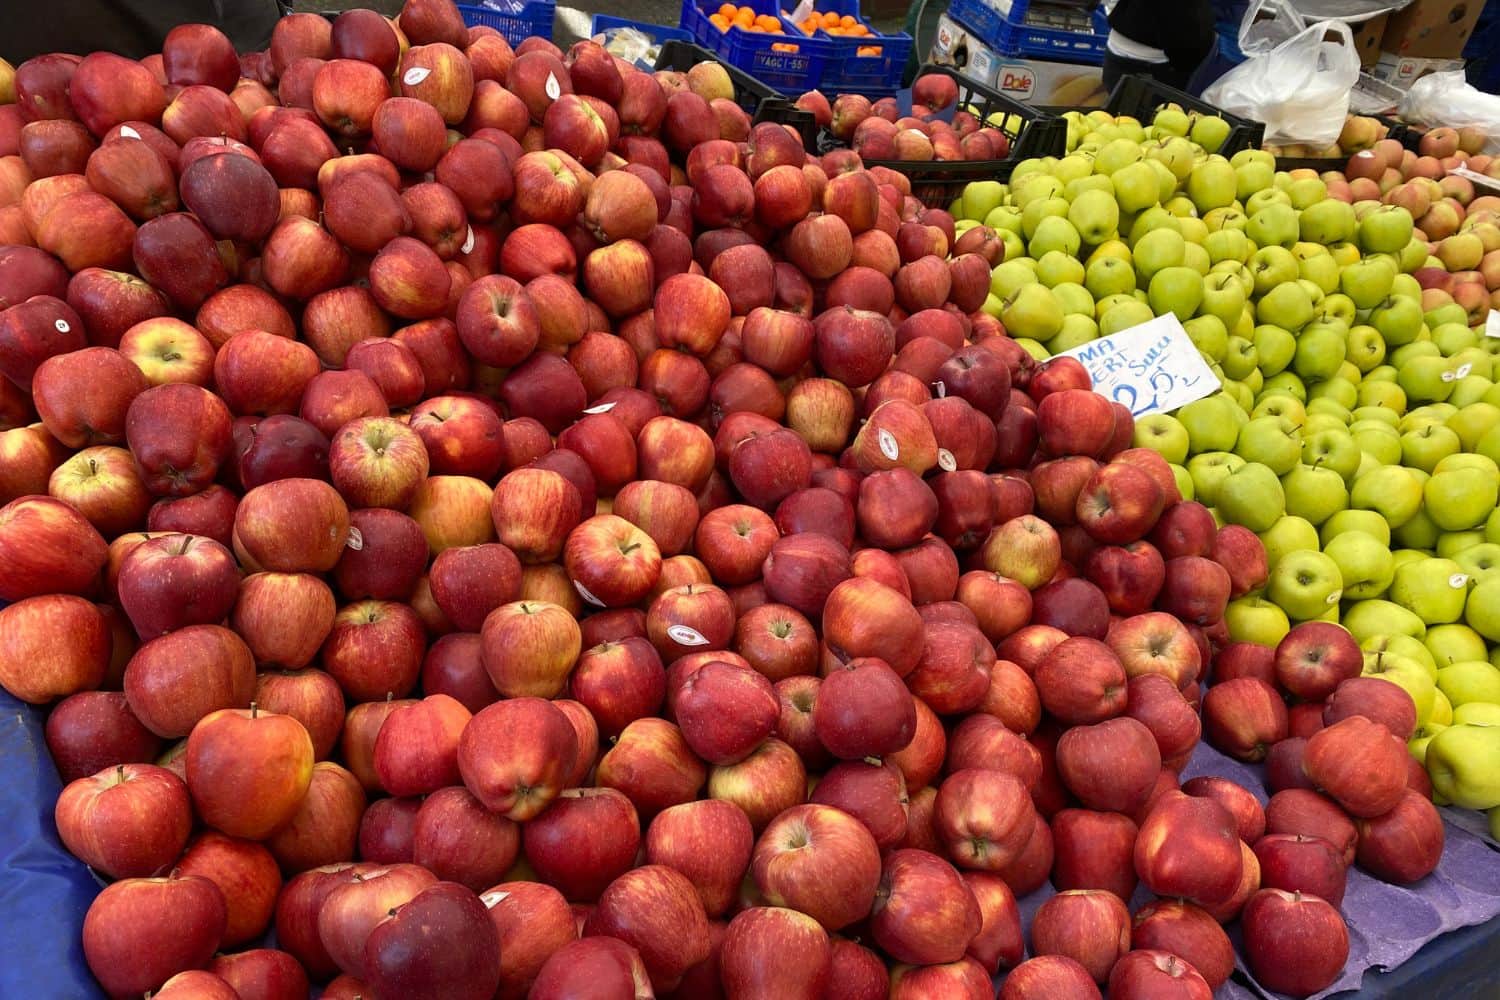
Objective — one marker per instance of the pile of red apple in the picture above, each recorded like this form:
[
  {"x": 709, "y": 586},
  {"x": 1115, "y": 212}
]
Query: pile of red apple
[
  {"x": 1445, "y": 205},
  {"x": 877, "y": 130},
  {"x": 457, "y": 498}
]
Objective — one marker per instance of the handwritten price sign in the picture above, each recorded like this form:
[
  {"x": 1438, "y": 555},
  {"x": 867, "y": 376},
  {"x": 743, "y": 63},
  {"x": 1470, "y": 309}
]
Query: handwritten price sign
[{"x": 1151, "y": 368}]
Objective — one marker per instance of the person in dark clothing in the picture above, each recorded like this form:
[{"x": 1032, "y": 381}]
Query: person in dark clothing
[
  {"x": 133, "y": 28},
  {"x": 1163, "y": 39}
]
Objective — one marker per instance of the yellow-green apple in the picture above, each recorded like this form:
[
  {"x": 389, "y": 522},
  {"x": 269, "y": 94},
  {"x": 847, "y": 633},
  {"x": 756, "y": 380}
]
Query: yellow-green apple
[
  {"x": 1455, "y": 760},
  {"x": 127, "y": 915},
  {"x": 1025, "y": 549},
  {"x": 169, "y": 350}
]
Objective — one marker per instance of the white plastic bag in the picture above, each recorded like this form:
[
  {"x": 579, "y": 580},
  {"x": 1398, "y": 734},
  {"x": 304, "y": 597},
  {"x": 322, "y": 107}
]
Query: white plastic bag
[
  {"x": 1267, "y": 24},
  {"x": 1300, "y": 89},
  {"x": 1447, "y": 99}
]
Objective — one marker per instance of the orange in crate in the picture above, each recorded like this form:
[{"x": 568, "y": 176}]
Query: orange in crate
[{"x": 731, "y": 16}]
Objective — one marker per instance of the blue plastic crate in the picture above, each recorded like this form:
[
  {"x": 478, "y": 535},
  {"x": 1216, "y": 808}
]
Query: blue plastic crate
[
  {"x": 848, "y": 72},
  {"x": 517, "y": 20},
  {"x": 1010, "y": 35},
  {"x": 603, "y": 24},
  {"x": 755, "y": 52}
]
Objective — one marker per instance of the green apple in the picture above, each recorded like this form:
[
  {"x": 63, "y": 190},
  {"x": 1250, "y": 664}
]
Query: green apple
[
  {"x": 1455, "y": 543},
  {"x": 1407, "y": 674},
  {"x": 1123, "y": 316},
  {"x": 1412, "y": 256},
  {"x": 1275, "y": 346},
  {"x": 1480, "y": 712},
  {"x": 1208, "y": 335},
  {"x": 1272, "y": 267},
  {"x": 1213, "y": 184},
  {"x": 1365, "y": 565},
  {"x": 1223, "y": 297},
  {"x": 1464, "y": 764},
  {"x": 1379, "y": 440},
  {"x": 1251, "y": 495},
  {"x": 1254, "y": 619},
  {"x": 1032, "y": 311},
  {"x": 1306, "y": 192},
  {"x": 1425, "y": 447},
  {"x": 1282, "y": 404},
  {"x": 1005, "y": 278},
  {"x": 1450, "y": 644},
  {"x": 1391, "y": 490},
  {"x": 1426, "y": 379},
  {"x": 1336, "y": 307},
  {"x": 1094, "y": 215},
  {"x": 1365, "y": 347},
  {"x": 1038, "y": 211},
  {"x": 1076, "y": 331},
  {"x": 1367, "y": 521},
  {"x": 1458, "y": 499},
  {"x": 1332, "y": 449},
  {"x": 1272, "y": 225},
  {"x": 1005, "y": 218},
  {"x": 1209, "y": 131},
  {"x": 1368, "y": 618},
  {"x": 1387, "y": 229},
  {"x": 1226, "y": 217},
  {"x": 1228, "y": 243},
  {"x": 1209, "y": 470},
  {"x": 1093, "y": 182},
  {"x": 1055, "y": 267},
  {"x": 1327, "y": 221},
  {"x": 980, "y": 198},
  {"x": 1398, "y": 318},
  {"x": 1451, "y": 338},
  {"x": 1180, "y": 206},
  {"x": 1305, "y": 584},
  {"x": 1367, "y": 282},
  {"x": 1316, "y": 264},
  {"x": 1433, "y": 589},
  {"x": 1135, "y": 184},
  {"x": 1481, "y": 560},
  {"x": 1482, "y": 612},
  {"x": 1289, "y": 534},
  {"x": 1154, "y": 218},
  {"x": 1470, "y": 390},
  {"x": 1287, "y": 305},
  {"x": 1074, "y": 168},
  {"x": 1321, "y": 347},
  {"x": 1074, "y": 299},
  {"x": 1271, "y": 441},
  {"x": 1417, "y": 533},
  {"x": 1106, "y": 276},
  {"x": 1116, "y": 154},
  {"x": 1054, "y": 234},
  {"x": 1239, "y": 359},
  {"x": 1314, "y": 494},
  {"x": 1193, "y": 254},
  {"x": 1157, "y": 250},
  {"x": 1163, "y": 434},
  {"x": 1176, "y": 290},
  {"x": 1469, "y": 682},
  {"x": 1252, "y": 177}
]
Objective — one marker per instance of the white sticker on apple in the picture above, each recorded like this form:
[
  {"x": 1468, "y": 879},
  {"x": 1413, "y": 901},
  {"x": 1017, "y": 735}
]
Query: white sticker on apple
[
  {"x": 946, "y": 461},
  {"x": 888, "y": 446},
  {"x": 1462, "y": 371},
  {"x": 941, "y": 388},
  {"x": 1458, "y": 581},
  {"x": 584, "y": 593},
  {"x": 355, "y": 541},
  {"x": 601, "y": 408},
  {"x": 1333, "y": 598},
  {"x": 468, "y": 242},
  {"x": 686, "y": 635},
  {"x": 126, "y": 132},
  {"x": 62, "y": 326},
  {"x": 553, "y": 88},
  {"x": 492, "y": 899},
  {"x": 416, "y": 75},
  {"x": 1492, "y": 324}
]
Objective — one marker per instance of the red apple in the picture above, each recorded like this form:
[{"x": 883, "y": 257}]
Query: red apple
[
  {"x": 513, "y": 755},
  {"x": 127, "y": 821},
  {"x": 188, "y": 910},
  {"x": 1294, "y": 943},
  {"x": 1090, "y": 926}
]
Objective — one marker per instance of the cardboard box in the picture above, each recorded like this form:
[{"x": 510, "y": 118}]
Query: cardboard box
[
  {"x": 1038, "y": 82},
  {"x": 1045, "y": 84},
  {"x": 1432, "y": 29},
  {"x": 1367, "y": 39},
  {"x": 1404, "y": 70}
]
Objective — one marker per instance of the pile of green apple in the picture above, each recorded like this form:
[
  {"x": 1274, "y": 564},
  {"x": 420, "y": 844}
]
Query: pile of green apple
[{"x": 1357, "y": 429}]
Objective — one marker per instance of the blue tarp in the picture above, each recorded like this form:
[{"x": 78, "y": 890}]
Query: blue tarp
[{"x": 44, "y": 892}]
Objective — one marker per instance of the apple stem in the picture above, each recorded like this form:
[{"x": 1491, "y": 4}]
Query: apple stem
[
  {"x": 187, "y": 541},
  {"x": 254, "y": 710},
  {"x": 119, "y": 773}
]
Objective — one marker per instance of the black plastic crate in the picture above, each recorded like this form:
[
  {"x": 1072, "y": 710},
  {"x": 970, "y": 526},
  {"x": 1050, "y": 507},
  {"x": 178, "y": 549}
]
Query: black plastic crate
[
  {"x": 764, "y": 103},
  {"x": 1032, "y": 133},
  {"x": 1140, "y": 96}
]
